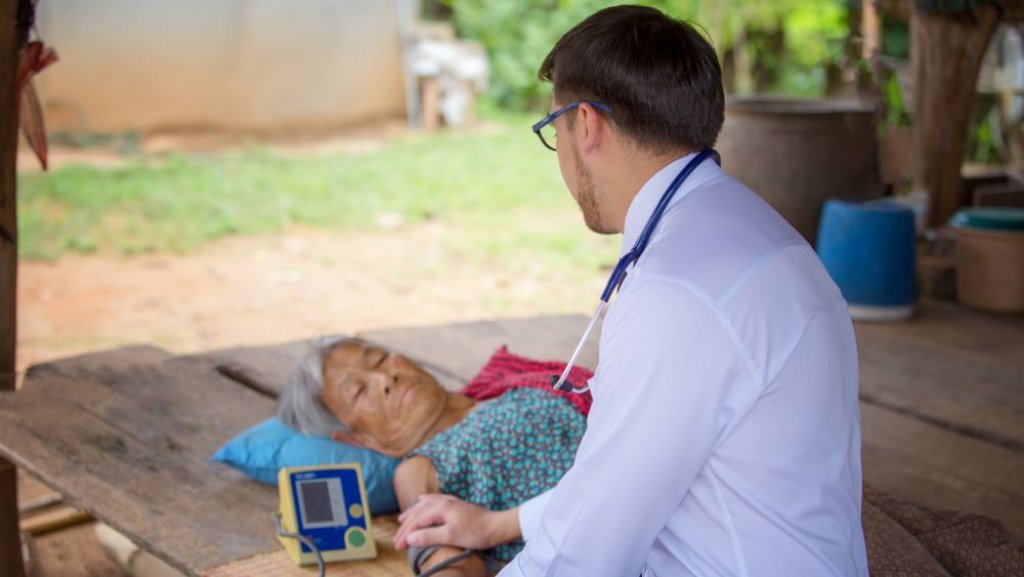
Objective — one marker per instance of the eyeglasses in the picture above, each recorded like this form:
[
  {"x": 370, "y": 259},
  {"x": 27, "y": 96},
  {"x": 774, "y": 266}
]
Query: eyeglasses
[{"x": 545, "y": 130}]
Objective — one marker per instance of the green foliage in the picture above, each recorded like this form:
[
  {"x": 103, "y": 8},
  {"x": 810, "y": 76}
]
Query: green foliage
[
  {"x": 815, "y": 32},
  {"x": 896, "y": 113},
  {"x": 495, "y": 193},
  {"x": 896, "y": 39},
  {"x": 982, "y": 146},
  {"x": 518, "y": 35}
]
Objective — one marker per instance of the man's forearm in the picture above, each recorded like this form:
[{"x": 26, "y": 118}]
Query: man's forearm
[{"x": 503, "y": 526}]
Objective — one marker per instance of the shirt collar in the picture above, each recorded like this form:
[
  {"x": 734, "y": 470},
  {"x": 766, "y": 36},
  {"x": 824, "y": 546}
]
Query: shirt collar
[{"x": 650, "y": 193}]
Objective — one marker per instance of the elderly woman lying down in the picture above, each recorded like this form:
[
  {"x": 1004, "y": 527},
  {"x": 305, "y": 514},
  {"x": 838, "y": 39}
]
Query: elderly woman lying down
[{"x": 496, "y": 453}]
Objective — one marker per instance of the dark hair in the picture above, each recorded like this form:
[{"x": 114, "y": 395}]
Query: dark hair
[{"x": 660, "y": 76}]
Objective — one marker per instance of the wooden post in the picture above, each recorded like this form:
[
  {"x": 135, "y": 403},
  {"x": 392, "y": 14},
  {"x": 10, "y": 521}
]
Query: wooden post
[
  {"x": 10, "y": 538},
  {"x": 10, "y": 43},
  {"x": 870, "y": 29},
  {"x": 945, "y": 55},
  {"x": 9, "y": 50}
]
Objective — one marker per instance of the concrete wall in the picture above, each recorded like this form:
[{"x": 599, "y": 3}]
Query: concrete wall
[{"x": 227, "y": 64}]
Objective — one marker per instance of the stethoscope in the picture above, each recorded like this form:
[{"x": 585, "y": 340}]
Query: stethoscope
[{"x": 561, "y": 383}]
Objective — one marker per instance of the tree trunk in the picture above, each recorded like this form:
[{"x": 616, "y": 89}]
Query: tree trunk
[
  {"x": 10, "y": 43},
  {"x": 945, "y": 55}
]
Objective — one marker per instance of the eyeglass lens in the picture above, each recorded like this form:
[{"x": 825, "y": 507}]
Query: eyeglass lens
[{"x": 550, "y": 135}]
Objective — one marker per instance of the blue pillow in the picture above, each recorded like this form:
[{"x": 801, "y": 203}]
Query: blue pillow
[{"x": 263, "y": 450}]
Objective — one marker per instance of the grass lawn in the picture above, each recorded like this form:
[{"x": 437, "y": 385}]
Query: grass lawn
[{"x": 496, "y": 191}]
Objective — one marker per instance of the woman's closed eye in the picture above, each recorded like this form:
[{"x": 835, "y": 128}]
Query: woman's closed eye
[
  {"x": 377, "y": 358},
  {"x": 360, "y": 388}
]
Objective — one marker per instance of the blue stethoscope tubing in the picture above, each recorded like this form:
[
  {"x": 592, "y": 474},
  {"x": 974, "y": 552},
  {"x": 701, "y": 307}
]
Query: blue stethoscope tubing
[{"x": 561, "y": 383}]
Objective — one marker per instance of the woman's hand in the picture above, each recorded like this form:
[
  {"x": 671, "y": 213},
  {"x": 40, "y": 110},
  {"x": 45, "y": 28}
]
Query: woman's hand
[{"x": 445, "y": 520}]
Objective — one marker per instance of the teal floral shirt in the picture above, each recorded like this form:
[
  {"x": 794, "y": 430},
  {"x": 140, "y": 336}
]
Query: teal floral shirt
[{"x": 507, "y": 451}]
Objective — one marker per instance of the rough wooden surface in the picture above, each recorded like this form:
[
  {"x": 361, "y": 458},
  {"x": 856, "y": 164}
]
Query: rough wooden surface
[
  {"x": 389, "y": 561},
  {"x": 951, "y": 367},
  {"x": 942, "y": 409},
  {"x": 74, "y": 552},
  {"x": 127, "y": 434}
]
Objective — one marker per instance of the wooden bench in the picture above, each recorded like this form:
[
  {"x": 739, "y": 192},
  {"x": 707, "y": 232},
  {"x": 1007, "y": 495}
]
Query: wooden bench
[{"x": 127, "y": 434}]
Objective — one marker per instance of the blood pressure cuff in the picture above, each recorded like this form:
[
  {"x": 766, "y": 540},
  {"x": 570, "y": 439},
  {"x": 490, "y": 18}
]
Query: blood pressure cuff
[{"x": 419, "y": 555}]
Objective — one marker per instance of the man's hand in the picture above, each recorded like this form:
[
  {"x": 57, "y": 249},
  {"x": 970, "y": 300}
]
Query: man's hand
[{"x": 445, "y": 520}]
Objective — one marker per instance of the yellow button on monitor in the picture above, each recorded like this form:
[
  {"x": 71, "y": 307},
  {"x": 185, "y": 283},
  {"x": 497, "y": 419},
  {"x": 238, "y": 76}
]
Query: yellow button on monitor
[{"x": 355, "y": 511}]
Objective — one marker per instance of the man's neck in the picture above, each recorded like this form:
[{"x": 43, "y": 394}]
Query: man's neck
[{"x": 627, "y": 175}]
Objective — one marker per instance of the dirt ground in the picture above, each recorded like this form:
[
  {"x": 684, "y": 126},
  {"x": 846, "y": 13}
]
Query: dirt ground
[{"x": 261, "y": 290}]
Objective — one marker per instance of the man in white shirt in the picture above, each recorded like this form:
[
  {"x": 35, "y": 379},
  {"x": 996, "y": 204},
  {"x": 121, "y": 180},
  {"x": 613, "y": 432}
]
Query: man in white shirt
[{"x": 724, "y": 437}]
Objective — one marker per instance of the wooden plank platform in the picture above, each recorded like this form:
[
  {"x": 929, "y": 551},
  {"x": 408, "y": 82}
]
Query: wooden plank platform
[
  {"x": 942, "y": 410},
  {"x": 127, "y": 434}
]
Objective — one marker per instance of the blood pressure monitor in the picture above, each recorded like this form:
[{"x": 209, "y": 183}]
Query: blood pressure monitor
[{"x": 327, "y": 506}]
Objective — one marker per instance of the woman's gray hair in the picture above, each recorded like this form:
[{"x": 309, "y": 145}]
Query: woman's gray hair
[{"x": 299, "y": 406}]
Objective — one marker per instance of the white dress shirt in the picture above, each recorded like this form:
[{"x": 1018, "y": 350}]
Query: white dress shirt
[{"x": 724, "y": 437}]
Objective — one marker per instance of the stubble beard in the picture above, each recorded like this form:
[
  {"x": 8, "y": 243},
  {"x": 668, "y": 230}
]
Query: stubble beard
[{"x": 586, "y": 198}]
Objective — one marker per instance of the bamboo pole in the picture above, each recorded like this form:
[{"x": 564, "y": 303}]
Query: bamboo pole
[{"x": 10, "y": 540}]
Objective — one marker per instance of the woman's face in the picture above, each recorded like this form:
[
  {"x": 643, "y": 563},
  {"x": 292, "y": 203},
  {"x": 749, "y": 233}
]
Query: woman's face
[{"x": 389, "y": 402}]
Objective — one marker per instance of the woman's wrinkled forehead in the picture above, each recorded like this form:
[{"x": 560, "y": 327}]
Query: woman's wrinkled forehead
[
  {"x": 350, "y": 351},
  {"x": 352, "y": 354}
]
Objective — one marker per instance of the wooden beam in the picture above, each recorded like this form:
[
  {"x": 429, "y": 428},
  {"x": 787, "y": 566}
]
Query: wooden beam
[{"x": 10, "y": 42}]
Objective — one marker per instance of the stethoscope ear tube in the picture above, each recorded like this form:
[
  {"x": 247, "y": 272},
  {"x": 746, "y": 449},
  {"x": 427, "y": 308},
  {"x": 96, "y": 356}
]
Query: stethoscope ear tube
[{"x": 561, "y": 383}]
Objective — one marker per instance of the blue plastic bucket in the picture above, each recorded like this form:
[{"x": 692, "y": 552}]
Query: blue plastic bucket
[{"x": 869, "y": 251}]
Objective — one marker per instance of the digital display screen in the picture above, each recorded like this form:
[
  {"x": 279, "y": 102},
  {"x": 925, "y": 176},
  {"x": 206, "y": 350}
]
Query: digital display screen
[{"x": 322, "y": 503}]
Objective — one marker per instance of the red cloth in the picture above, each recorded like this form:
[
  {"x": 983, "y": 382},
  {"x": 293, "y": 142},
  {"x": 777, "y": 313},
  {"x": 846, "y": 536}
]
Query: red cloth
[{"x": 505, "y": 371}]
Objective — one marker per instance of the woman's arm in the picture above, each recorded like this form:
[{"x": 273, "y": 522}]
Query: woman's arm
[{"x": 414, "y": 477}]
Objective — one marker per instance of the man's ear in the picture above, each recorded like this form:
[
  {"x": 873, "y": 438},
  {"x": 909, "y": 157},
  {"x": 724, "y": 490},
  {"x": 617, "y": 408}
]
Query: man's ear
[{"x": 592, "y": 129}]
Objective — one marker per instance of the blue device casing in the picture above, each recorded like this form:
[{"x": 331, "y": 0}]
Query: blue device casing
[{"x": 327, "y": 505}]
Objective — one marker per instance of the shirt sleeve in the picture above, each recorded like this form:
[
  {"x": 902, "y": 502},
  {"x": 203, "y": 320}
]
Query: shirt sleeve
[
  {"x": 530, "y": 513},
  {"x": 671, "y": 380}
]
